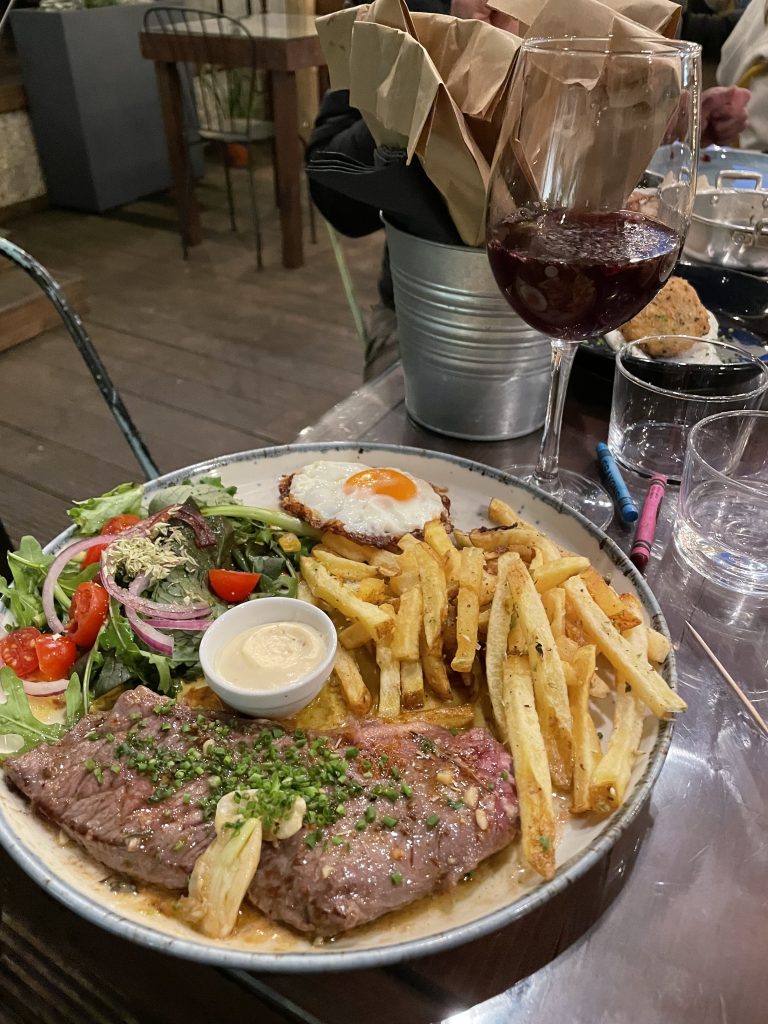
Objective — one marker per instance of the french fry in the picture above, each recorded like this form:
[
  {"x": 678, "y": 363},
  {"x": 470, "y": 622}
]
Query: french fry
[
  {"x": 461, "y": 538},
  {"x": 434, "y": 593},
  {"x": 483, "y": 619},
  {"x": 411, "y": 684},
  {"x": 487, "y": 587},
  {"x": 658, "y": 646},
  {"x": 435, "y": 674},
  {"x": 586, "y": 744},
  {"x": 405, "y": 645},
  {"x": 532, "y": 778},
  {"x": 598, "y": 687},
  {"x": 354, "y": 635},
  {"x": 449, "y": 716},
  {"x": 489, "y": 539},
  {"x": 554, "y": 605},
  {"x": 547, "y": 671},
  {"x": 389, "y": 681},
  {"x": 496, "y": 644},
  {"x": 386, "y": 562},
  {"x": 629, "y": 664},
  {"x": 303, "y": 593},
  {"x": 436, "y": 536},
  {"x": 468, "y": 609},
  {"x": 347, "y": 548},
  {"x": 356, "y": 693},
  {"x": 567, "y": 649},
  {"x": 622, "y": 615},
  {"x": 611, "y": 776},
  {"x": 343, "y": 568},
  {"x": 379, "y": 623},
  {"x": 373, "y": 590},
  {"x": 584, "y": 663},
  {"x": 502, "y": 514},
  {"x": 552, "y": 574}
]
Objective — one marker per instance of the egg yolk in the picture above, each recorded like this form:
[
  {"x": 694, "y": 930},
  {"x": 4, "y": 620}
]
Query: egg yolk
[{"x": 382, "y": 481}]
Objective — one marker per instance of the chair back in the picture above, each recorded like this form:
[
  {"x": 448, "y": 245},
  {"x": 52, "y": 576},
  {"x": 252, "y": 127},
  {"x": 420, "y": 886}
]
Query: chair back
[{"x": 228, "y": 104}]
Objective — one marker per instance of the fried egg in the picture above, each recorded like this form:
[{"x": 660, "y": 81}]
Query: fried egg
[{"x": 372, "y": 505}]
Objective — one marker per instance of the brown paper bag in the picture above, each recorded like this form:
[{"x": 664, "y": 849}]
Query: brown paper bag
[
  {"x": 600, "y": 168},
  {"x": 414, "y": 78},
  {"x": 661, "y": 16}
]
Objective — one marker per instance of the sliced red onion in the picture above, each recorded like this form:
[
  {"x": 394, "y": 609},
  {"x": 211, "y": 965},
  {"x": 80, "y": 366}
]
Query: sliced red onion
[
  {"x": 56, "y": 569},
  {"x": 148, "y": 634},
  {"x": 188, "y": 624},
  {"x": 46, "y": 688},
  {"x": 133, "y": 602}
]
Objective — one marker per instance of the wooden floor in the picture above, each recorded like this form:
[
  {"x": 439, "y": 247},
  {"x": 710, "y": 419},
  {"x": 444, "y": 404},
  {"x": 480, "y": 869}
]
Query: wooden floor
[{"x": 210, "y": 355}]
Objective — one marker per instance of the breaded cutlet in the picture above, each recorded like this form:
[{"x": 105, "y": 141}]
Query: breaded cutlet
[{"x": 676, "y": 310}]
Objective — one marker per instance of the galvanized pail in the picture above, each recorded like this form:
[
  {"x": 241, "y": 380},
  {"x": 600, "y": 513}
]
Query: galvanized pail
[{"x": 473, "y": 369}]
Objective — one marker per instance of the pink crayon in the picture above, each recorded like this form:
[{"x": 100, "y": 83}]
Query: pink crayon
[{"x": 646, "y": 524}]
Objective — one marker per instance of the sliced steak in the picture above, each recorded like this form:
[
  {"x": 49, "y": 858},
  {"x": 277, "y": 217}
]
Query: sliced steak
[
  {"x": 462, "y": 808},
  {"x": 423, "y": 807}
]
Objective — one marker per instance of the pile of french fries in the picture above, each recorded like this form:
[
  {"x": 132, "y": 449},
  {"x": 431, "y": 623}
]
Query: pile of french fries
[{"x": 501, "y": 627}]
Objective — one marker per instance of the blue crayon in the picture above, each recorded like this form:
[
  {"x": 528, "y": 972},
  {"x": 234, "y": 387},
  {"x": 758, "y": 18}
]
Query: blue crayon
[{"x": 615, "y": 484}]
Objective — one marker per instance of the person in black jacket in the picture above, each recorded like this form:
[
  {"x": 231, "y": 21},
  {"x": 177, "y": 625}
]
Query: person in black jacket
[{"x": 339, "y": 128}]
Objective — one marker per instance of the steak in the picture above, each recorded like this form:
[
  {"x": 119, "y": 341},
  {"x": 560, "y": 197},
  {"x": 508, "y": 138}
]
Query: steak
[{"x": 421, "y": 807}]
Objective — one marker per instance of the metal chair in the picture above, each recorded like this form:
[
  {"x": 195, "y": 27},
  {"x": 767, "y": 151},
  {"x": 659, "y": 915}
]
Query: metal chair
[
  {"x": 92, "y": 360},
  {"x": 224, "y": 105}
]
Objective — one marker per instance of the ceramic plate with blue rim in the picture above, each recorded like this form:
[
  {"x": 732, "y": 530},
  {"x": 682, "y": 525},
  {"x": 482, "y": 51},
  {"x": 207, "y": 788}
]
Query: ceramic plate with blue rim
[
  {"x": 501, "y": 891},
  {"x": 738, "y": 301}
]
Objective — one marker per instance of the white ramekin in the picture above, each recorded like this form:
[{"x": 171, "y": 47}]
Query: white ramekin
[{"x": 289, "y": 699}]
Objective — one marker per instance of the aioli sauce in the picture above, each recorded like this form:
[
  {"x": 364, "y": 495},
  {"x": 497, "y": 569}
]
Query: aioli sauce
[{"x": 271, "y": 656}]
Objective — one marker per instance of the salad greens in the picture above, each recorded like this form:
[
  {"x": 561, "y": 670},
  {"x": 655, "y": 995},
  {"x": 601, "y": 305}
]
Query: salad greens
[
  {"x": 16, "y": 717},
  {"x": 245, "y": 539},
  {"x": 90, "y": 515},
  {"x": 22, "y": 593}
]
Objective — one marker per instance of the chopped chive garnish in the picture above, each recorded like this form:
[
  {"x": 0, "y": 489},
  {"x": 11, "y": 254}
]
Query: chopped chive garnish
[
  {"x": 396, "y": 878},
  {"x": 432, "y": 820}
]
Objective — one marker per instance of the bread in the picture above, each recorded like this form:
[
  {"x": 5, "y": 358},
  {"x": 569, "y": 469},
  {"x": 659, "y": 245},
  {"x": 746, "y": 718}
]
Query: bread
[{"x": 676, "y": 310}]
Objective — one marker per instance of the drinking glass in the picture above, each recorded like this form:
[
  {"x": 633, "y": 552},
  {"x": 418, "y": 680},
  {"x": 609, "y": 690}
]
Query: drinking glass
[
  {"x": 580, "y": 234},
  {"x": 657, "y": 401},
  {"x": 722, "y": 514}
]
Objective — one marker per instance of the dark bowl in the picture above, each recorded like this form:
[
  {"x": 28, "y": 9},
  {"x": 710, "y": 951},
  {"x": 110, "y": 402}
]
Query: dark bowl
[{"x": 740, "y": 303}]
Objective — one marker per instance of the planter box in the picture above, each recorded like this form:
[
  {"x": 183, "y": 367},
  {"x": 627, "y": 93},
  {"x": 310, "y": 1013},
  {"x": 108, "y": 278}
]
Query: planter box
[{"x": 94, "y": 105}]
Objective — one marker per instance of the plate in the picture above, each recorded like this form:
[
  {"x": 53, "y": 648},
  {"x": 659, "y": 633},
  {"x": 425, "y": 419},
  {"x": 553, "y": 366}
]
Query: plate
[
  {"x": 500, "y": 893},
  {"x": 739, "y": 301}
]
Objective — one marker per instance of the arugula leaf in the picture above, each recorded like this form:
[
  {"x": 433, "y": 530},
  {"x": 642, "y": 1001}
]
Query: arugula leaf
[
  {"x": 16, "y": 718},
  {"x": 73, "y": 699},
  {"x": 152, "y": 669},
  {"x": 92, "y": 514},
  {"x": 209, "y": 490}
]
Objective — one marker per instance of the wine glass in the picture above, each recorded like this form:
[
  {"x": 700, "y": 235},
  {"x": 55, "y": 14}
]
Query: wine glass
[{"x": 589, "y": 202}]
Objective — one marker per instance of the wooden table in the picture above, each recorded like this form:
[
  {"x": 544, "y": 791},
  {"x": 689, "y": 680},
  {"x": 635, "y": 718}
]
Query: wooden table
[
  {"x": 670, "y": 928},
  {"x": 283, "y": 44}
]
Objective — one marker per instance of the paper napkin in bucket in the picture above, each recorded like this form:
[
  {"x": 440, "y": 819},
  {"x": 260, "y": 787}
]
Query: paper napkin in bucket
[
  {"x": 413, "y": 80},
  {"x": 662, "y": 16}
]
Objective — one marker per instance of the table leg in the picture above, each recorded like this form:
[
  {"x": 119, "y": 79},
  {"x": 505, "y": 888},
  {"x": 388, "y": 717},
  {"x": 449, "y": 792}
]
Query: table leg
[
  {"x": 288, "y": 168},
  {"x": 169, "y": 88}
]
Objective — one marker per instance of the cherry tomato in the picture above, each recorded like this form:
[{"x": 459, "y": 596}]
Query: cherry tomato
[
  {"x": 115, "y": 525},
  {"x": 232, "y": 586},
  {"x": 17, "y": 650},
  {"x": 87, "y": 613},
  {"x": 56, "y": 655}
]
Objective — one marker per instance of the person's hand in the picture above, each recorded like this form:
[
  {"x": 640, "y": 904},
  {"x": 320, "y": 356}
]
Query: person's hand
[
  {"x": 723, "y": 114},
  {"x": 478, "y": 10}
]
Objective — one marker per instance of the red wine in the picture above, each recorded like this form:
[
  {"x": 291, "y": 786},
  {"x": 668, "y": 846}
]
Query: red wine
[{"x": 575, "y": 275}]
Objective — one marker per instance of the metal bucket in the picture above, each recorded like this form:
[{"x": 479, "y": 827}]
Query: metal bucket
[{"x": 473, "y": 369}]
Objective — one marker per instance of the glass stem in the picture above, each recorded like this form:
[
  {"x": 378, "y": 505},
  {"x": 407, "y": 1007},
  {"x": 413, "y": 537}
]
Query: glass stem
[{"x": 546, "y": 474}]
